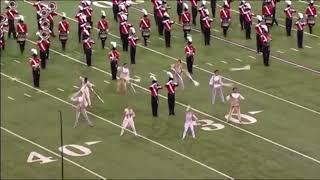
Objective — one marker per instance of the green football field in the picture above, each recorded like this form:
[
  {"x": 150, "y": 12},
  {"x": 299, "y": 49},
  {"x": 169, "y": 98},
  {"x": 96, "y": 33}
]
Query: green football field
[{"x": 280, "y": 139}]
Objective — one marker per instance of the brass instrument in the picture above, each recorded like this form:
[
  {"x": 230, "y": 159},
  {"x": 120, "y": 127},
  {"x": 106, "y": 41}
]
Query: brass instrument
[
  {"x": 12, "y": 4},
  {"x": 53, "y": 6},
  {"x": 45, "y": 23}
]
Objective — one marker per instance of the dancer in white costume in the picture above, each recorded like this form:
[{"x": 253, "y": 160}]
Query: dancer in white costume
[
  {"x": 124, "y": 79},
  {"x": 81, "y": 105},
  {"x": 216, "y": 84},
  {"x": 128, "y": 116},
  {"x": 234, "y": 99},
  {"x": 188, "y": 124},
  {"x": 86, "y": 86}
]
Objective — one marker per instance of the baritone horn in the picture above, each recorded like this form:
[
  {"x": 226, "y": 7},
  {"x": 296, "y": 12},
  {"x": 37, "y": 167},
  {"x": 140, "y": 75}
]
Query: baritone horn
[
  {"x": 53, "y": 6},
  {"x": 12, "y": 4},
  {"x": 44, "y": 13},
  {"x": 45, "y": 34},
  {"x": 45, "y": 23}
]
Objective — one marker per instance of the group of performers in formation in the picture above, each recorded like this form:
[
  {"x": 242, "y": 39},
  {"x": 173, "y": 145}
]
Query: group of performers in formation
[{"x": 46, "y": 11}]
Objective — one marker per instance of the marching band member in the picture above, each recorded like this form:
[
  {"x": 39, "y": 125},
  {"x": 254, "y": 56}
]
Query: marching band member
[
  {"x": 300, "y": 27},
  {"x": 81, "y": 19},
  {"x": 248, "y": 20},
  {"x": 194, "y": 10},
  {"x": 38, "y": 5},
  {"x": 213, "y": 4},
  {"x": 63, "y": 29},
  {"x": 154, "y": 89},
  {"x": 86, "y": 86},
  {"x": 145, "y": 26},
  {"x": 216, "y": 84},
  {"x": 189, "y": 123},
  {"x": 234, "y": 99},
  {"x": 87, "y": 10},
  {"x": 128, "y": 116},
  {"x": 124, "y": 79},
  {"x": 114, "y": 57},
  {"x": 242, "y": 8},
  {"x": 3, "y": 30},
  {"x": 274, "y": 8},
  {"x": 311, "y": 13},
  {"x": 177, "y": 69},
  {"x": 12, "y": 13},
  {"x": 259, "y": 33},
  {"x": 265, "y": 44},
  {"x": 267, "y": 12},
  {"x": 52, "y": 13},
  {"x": 103, "y": 27},
  {"x": 160, "y": 11},
  {"x": 115, "y": 9},
  {"x": 43, "y": 45},
  {"x": 124, "y": 6},
  {"x": 179, "y": 9},
  {"x": 87, "y": 44},
  {"x": 202, "y": 11},
  {"x": 22, "y": 33},
  {"x": 186, "y": 21},
  {"x": 124, "y": 33},
  {"x": 167, "y": 23},
  {"x": 171, "y": 87},
  {"x": 156, "y": 5},
  {"x": 189, "y": 51},
  {"x": 133, "y": 38},
  {"x": 225, "y": 18},
  {"x": 81, "y": 107},
  {"x": 35, "y": 66},
  {"x": 289, "y": 14},
  {"x": 207, "y": 28}
]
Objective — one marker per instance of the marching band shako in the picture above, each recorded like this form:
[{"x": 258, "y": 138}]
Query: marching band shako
[
  {"x": 145, "y": 32},
  {"x": 225, "y": 23},
  {"x": 63, "y": 35},
  {"x": 186, "y": 27},
  {"x": 311, "y": 20},
  {"x": 103, "y": 34},
  {"x": 268, "y": 20},
  {"x": 21, "y": 36}
]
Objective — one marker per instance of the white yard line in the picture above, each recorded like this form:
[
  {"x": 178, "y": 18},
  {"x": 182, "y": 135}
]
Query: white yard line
[
  {"x": 224, "y": 62},
  {"x": 17, "y": 61},
  {"x": 28, "y": 95},
  {"x": 11, "y": 98},
  {"x": 59, "y": 89},
  {"x": 308, "y": 46},
  {"x": 209, "y": 64},
  {"x": 237, "y": 59},
  {"x": 161, "y": 38},
  {"x": 252, "y": 57},
  {"x": 110, "y": 122},
  {"x": 52, "y": 152},
  {"x": 280, "y": 51},
  {"x": 107, "y": 82},
  {"x": 294, "y": 49}
]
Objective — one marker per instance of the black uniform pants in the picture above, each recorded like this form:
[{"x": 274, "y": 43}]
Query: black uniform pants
[
  {"x": 133, "y": 54},
  {"x": 189, "y": 61},
  {"x": 36, "y": 77},
  {"x": 179, "y": 10},
  {"x": 114, "y": 69},
  {"x": 274, "y": 20},
  {"x": 258, "y": 38},
  {"x": 125, "y": 41},
  {"x": 145, "y": 39},
  {"x": 88, "y": 52},
  {"x": 225, "y": 30},
  {"x": 247, "y": 26},
  {"x": 265, "y": 54},
  {"x": 155, "y": 16},
  {"x": 43, "y": 57},
  {"x": 167, "y": 38},
  {"x": 185, "y": 34},
  {"x": 213, "y": 7},
  {"x": 288, "y": 26},
  {"x": 194, "y": 12},
  {"x": 51, "y": 29},
  {"x": 79, "y": 33},
  {"x": 206, "y": 33},
  {"x": 22, "y": 45},
  {"x": 3, "y": 42},
  {"x": 115, "y": 10},
  {"x": 63, "y": 44},
  {"x": 202, "y": 25},
  {"x": 154, "y": 105},
  {"x": 241, "y": 19},
  {"x": 310, "y": 28},
  {"x": 171, "y": 102},
  {"x": 103, "y": 42},
  {"x": 160, "y": 25},
  {"x": 300, "y": 38},
  {"x": 12, "y": 29}
]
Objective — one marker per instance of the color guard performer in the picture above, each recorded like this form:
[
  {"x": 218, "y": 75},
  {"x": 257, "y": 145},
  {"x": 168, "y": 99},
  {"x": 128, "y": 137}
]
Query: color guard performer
[
  {"x": 259, "y": 32},
  {"x": 177, "y": 69},
  {"x": 225, "y": 18},
  {"x": 133, "y": 38},
  {"x": 186, "y": 21},
  {"x": 63, "y": 29},
  {"x": 145, "y": 26},
  {"x": 216, "y": 84},
  {"x": 22, "y": 33},
  {"x": 194, "y": 11},
  {"x": 207, "y": 28},
  {"x": 189, "y": 123},
  {"x": 87, "y": 44},
  {"x": 248, "y": 20},
  {"x": 154, "y": 89},
  {"x": 43, "y": 45},
  {"x": 235, "y": 97},
  {"x": 124, "y": 79},
  {"x": 86, "y": 86},
  {"x": 267, "y": 12},
  {"x": 81, "y": 107},
  {"x": 242, "y": 8},
  {"x": 167, "y": 23},
  {"x": 265, "y": 44},
  {"x": 289, "y": 14},
  {"x": 128, "y": 121},
  {"x": 124, "y": 33},
  {"x": 189, "y": 51},
  {"x": 35, "y": 66},
  {"x": 311, "y": 13},
  {"x": 300, "y": 27},
  {"x": 11, "y": 13},
  {"x": 114, "y": 57},
  {"x": 103, "y": 27},
  {"x": 171, "y": 87}
]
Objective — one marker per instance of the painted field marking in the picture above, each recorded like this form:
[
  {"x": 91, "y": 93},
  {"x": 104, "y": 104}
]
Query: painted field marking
[
  {"x": 92, "y": 143},
  {"x": 237, "y": 59},
  {"x": 110, "y": 122},
  {"x": 76, "y": 87},
  {"x": 294, "y": 49},
  {"x": 17, "y": 61},
  {"x": 138, "y": 77},
  {"x": 11, "y": 98},
  {"x": 309, "y": 47},
  {"x": 205, "y": 70},
  {"x": 225, "y": 62},
  {"x": 161, "y": 38},
  {"x": 52, "y": 152},
  {"x": 215, "y": 30},
  {"x": 175, "y": 37},
  {"x": 254, "y": 112},
  {"x": 280, "y": 51},
  {"x": 209, "y": 64},
  {"x": 107, "y": 82},
  {"x": 151, "y": 74},
  {"x": 59, "y": 89},
  {"x": 252, "y": 57},
  {"x": 28, "y": 95}
]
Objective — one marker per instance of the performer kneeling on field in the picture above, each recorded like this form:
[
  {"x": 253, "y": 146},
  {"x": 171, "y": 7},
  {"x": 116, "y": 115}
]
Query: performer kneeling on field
[
  {"x": 171, "y": 87},
  {"x": 225, "y": 18},
  {"x": 145, "y": 26},
  {"x": 234, "y": 99},
  {"x": 154, "y": 89},
  {"x": 63, "y": 29},
  {"x": 22, "y": 33},
  {"x": 189, "y": 122},
  {"x": 265, "y": 44},
  {"x": 124, "y": 79},
  {"x": 300, "y": 27},
  {"x": 216, "y": 84},
  {"x": 128, "y": 116},
  {"x": 35, "y": 66},
  {"x": 311, "y": 13},
  {"x": 114, "y": 57},
  {"x": 81, "y": 107},
  {"x": 103, "y": 29}
]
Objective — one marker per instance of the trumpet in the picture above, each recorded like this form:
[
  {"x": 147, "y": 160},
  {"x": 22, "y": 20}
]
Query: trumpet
[
  {"x": 53, "y": 6},
  {"x": 45, "y": 23}
]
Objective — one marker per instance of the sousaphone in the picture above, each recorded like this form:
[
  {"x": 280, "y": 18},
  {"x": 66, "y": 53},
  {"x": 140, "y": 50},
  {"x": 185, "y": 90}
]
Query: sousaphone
[
  {"x": 45, "y": 23},
  {"x": 53, "y": 6}
]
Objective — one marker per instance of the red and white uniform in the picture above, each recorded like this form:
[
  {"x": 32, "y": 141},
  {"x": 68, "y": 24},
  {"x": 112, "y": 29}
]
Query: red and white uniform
[
  {"x": 300, "y": 25},
  {"x": 81, "y": 18},
  {"x": 114, "y": 55},
  {"x": 63, "y": 26},
  {"x": 189, "y": 50},
  {"x": 258, "y": 29},
  {"x": 242, "y": 9},
  {"x": 51, "y": 16},
  {"x": 87, "y": 43},
  {"x": 154, "y": 89},
  {"x": 35, "y": 63},
  {"x": 124, "y": 27},
  {"x": 22, "y": 28},
  {"x": 43, "y": 45},
  {"x": 225, "y": 14},
  {"x": 11, "y": 13},
  {"x": 115, "y": 2},
  {"x": 133, "y": 41},
  {"x": 289, "y": 12},
  {"x": 248, "y": 15},
  {"x": 160, "y": 10},
  {"x": 202, "y": 12},
  {"x": 186, "y": 17},
  {"x": 311, "y": 11},
  {"x": 121, "y": 16},
  {"x": 38, "y": 5},
  {"x": 103, "y": 25},
  {"x": 171, "y": 87},
  {"x": 167, "y": 24},
  {"x": 267, "y": 9},
  {"x": 194, "y": 3},
  {"x": 145, "y": 23},
  {"x": 207, "y": 22}
]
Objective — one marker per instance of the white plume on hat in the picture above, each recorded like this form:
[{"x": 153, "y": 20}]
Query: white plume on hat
[
  {"x": 125, "y": 17},
  {"x": 21, "y": 18},
  {"x": 64, "y": 14},
  {"x": 80, "y": 7},
  {"x": 153, "y": 78},
  {"x": 259, "y": 18},
  {"x": 114, "y": 44},
  {"x": 88, "y": 3},
  {"x": 288, "y": 3},
  {"x": 170, "y": 74},
  {"x": 207, "y": 12},
  {"x": 226, "y": 3},
  {"x": 103, "y": 13},
  {"x": 300, "y": 15},
  {"x": 144, "y": 12},
  {"x": 34, "y": 51},
  {"x": 133, "y": 31},
  {"x": 126, "y": 110},
  {"x": 312, "y": 1},
  {"x": 159, "y": 2},
  {"x": 204, "y": 2},
  {"x": 264, "y": 27},
  {"x": 189, "y": 38},
  {"x": 166, "y": 14},
  {"x": 185, "y": 6},
  {"x": 248, "y": 5},
  {"x": 38, "y": 33}
]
